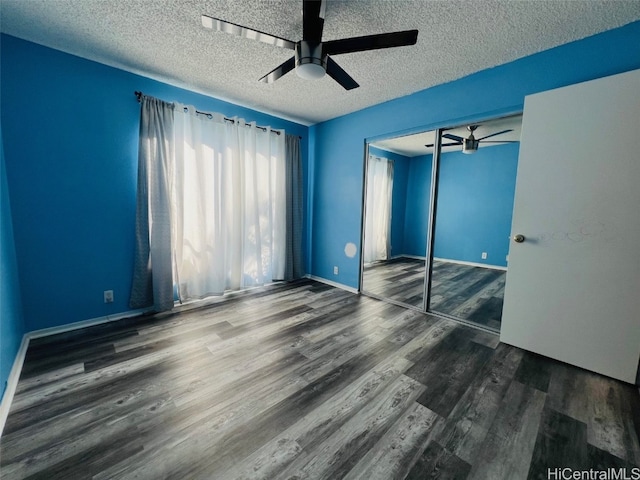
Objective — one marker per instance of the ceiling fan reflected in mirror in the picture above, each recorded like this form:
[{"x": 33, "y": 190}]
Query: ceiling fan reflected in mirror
[
  {"x": 471, "y": 144},
  {"x": 312, "y": 58}
]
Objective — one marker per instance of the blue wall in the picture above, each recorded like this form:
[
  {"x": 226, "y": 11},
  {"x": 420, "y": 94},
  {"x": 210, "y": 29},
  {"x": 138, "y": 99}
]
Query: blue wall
[
  {"x": 70, "y": 135},
  {"x": 337, "y": 154},
  {"x": 417, "y": 216},
  {"x": 70, "y": 138},
  {"x": 475, "y": 204},
  {"x": 11, "y": 321}
]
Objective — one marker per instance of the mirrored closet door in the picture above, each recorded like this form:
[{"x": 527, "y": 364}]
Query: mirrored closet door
[
  {"x": 396, "y": 215},
  {"x": 471, "y": 219},
  {"x": 476, "y": 186}
]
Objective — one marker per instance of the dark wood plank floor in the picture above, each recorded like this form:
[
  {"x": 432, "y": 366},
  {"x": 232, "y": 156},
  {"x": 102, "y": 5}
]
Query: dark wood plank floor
[
  {"x": 470, "y": 293},
  {"x": 305, "y": 381}
]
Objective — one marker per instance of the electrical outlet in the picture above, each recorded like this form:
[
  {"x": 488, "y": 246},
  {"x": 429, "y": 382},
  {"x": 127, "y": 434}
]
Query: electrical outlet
[
  {"x": 335, "y": 270},
  {"x": 484, "y": 255},
  {"x": 108, "y": 296}
]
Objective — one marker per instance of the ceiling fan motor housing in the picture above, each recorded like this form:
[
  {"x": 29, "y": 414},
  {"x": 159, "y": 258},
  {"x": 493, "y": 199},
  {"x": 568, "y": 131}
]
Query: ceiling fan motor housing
[
  {"x": 310, "y": 62},
  {"x": 470, "y": 145}
]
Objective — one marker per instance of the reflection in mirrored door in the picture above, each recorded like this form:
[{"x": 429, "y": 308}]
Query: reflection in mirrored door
[
  {"x": 397, "y": 192},
  {"x": 377, "y": 247},
  {"x": 476, "y": 186}
]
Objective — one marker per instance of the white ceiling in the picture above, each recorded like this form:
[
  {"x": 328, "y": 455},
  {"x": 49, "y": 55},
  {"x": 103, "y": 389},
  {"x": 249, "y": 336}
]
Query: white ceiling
[
  {"x": 165, "y": 40},
  {"x": 415, "y": 144}
]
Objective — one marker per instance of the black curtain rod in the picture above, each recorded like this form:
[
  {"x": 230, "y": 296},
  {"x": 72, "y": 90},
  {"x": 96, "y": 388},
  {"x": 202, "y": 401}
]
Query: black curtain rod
[{"x": 139, "y": 97}]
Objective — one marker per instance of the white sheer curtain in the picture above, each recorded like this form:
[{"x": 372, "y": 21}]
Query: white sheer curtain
[
  {"x": 229, "y": 203},
  {"x": 378, "y": 209}
]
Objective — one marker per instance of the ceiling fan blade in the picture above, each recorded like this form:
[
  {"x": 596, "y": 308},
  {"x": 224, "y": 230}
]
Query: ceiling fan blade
[
  {"x": 336, "y": 72},
  {"x": 444, "y": 145},
  {"x": 497, "y": 133},
  {"x": 240, "y": 31},
  {"x": 279, "y": 71},
  {"x": 312, "y": 20},
  {"x": 455, "y": 138},
  {"x": 501, "y": 141},
  {"x": 371, "y": 42}
]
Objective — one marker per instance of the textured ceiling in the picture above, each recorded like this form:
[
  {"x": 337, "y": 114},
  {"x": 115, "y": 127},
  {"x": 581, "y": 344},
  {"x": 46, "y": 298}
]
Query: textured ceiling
[{"x": 165, "y": 40}]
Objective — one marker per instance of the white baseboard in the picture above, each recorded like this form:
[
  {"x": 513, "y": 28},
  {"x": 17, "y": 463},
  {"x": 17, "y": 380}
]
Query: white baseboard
[
  {"x": 414, "y": 257},
  {"x": 12, "y": 381},
  {"x": 45, "y": 332},
  {"x": 448, "y": 260},
  {"x": 342, "y": 286},
  {"x": 472, "y": 264}
]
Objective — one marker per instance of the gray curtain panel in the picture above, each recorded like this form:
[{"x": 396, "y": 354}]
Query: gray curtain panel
[
  {"x": 293, "y": 258},
  {"x": 153, "y": 274}
]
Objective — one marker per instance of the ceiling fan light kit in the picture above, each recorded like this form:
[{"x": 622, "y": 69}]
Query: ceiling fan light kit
[
  {"x": 310, "y": 63},
  {"x": 312, "y": 57}
]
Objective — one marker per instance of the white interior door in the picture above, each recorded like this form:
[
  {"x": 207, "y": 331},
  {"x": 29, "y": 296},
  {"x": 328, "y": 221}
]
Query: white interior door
[{"x": 573, "y": 286}]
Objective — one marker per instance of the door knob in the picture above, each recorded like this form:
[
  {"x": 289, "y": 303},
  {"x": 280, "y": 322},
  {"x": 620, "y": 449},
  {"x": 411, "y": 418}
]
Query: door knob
[{"x": 519, "y": 238}]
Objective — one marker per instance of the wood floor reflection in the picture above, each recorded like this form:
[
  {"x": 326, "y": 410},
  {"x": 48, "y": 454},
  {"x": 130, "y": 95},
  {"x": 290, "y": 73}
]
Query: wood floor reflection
[
  {"x": 400, "y": 279},
  {"x": 471, "y": 293}
]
